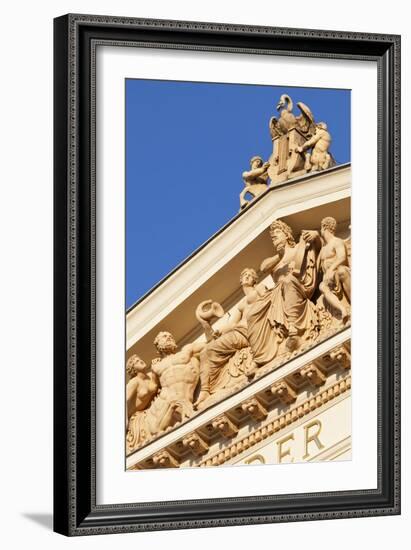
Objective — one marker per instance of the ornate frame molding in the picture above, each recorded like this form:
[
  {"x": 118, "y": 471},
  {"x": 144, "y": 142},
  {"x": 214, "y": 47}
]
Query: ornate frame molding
[{"x": 76, "y": 36}]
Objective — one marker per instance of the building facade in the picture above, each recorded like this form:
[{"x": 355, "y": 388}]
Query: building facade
[{"x": 242, "y": 354}]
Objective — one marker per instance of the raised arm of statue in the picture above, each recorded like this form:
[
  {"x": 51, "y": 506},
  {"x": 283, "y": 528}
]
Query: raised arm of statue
[
  {"x": 194, "y": 349},
  {"x": 255, "y": 172},
  {"x": 208, "y": 330},
  {"x": 313, "y": 238},
  {"x": 310, "y": 142},
  {"x": 269, "y": 263},
  {"x": 311, "y": 235},
  {"x": 255, "y": 180},
  {"x": 206, "y": 311},
  {"x": 319, "y": 158}
]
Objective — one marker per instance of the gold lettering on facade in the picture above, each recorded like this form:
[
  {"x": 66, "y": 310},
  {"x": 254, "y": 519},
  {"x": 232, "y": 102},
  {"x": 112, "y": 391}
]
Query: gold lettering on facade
[
  {"x": 312, "y": 436},
  {"x": 282, "y": 453},
  {"x": 255, "y": 458}
]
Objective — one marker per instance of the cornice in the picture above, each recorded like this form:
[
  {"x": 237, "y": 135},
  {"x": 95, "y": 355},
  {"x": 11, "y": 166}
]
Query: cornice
[{"x": 282, "y": 421}]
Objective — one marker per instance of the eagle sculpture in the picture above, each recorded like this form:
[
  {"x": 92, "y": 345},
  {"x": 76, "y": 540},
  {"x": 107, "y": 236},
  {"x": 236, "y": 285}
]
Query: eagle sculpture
[{"x": 287, "y": 120}]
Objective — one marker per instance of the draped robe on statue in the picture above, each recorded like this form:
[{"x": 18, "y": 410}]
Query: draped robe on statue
[{"x": 286, "y": 309}]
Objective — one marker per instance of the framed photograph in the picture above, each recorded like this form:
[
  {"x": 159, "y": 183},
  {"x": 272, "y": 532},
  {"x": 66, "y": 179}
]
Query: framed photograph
[{"x": 227, "y": 277}]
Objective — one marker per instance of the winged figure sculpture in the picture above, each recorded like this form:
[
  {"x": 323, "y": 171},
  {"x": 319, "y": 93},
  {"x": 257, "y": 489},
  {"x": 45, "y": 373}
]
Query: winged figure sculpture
[{"x": 287, "y": 119}]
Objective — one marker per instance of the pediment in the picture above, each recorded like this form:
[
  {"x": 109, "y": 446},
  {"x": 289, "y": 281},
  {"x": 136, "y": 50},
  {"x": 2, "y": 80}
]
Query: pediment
[
  {"x": 241, "y": 384},
  {"x": 213, "y": 270}
]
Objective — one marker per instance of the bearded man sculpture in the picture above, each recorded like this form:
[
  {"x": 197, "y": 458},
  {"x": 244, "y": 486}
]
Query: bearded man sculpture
[
  {"x": 178, "y": 373},
  {"x": 293, "y": 268}
]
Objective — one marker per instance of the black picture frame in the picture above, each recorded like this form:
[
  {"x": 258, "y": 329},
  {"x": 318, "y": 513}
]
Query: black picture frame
[{"x": 75, "y": 41}]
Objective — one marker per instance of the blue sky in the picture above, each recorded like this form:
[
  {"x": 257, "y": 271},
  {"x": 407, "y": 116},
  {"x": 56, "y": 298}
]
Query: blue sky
[{"x": 187, "y": 144}]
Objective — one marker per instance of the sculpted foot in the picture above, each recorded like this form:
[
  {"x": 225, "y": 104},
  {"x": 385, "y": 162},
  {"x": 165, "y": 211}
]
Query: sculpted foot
[
  {"x": 292, "y": 343},
  {"x": 204, "y": 395},
  {"x": 252, "y": 370}
]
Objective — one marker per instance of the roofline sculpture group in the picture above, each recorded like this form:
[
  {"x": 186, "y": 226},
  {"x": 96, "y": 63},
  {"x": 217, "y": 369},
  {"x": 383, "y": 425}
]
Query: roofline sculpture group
[{"x": 300, "y": 145}]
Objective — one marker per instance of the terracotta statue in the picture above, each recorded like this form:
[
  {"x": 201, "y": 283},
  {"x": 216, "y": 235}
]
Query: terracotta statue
[
  {"x": 178, "y": 374},
  {"x": 141, "y": 389},
  {"x": 319, "y": 143},
  {"x": 255, "y": 180},
  {"x": 142, "y": 386},
  {"x": 294, "y": 271},
  {"x": 334, "y": 262},
  {"x": 233, "y": 336}
]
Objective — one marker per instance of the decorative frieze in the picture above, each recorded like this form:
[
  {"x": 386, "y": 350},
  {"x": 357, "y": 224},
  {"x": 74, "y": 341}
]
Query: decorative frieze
[
  {"x": 164, "y": 459},
  {"x": 282, "y": 421},
  {"x": 278, "y": 396},
  {"x": 254, "y": 408},
  {"x": 196, "y": 444},
  {"x": 313, "y": 374},
  {"x": 268, "y": 326},
  {"x": 284, "y": 392},
  {"x": 225, "y": 426},
  {"x": 342, "y": 355}
]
